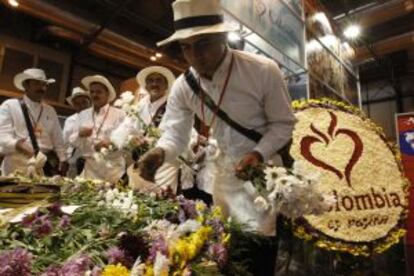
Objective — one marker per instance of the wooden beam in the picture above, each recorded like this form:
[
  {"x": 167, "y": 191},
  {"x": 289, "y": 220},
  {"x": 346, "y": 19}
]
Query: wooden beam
[
  {"x": 379, "y": 14},
  {"x": 386, "y": 46}
]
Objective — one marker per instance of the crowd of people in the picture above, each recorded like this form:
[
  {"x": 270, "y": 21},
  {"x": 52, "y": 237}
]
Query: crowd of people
[{"x": 240, "y": 98}]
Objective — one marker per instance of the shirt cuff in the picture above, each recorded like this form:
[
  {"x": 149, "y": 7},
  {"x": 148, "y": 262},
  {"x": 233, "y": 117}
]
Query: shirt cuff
[
  {"x": 8, "y": 146},
  {"x": 169, "y": 149}
]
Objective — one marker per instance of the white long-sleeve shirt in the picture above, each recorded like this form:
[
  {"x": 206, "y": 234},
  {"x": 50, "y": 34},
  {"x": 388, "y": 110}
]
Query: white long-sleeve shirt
[
  {"x": 103, "y": 124},
  {"x": 256, "y": 97},
  {"x": 13, "y": 128},
  {"x": 148, "y": 109},
  {"x": 69, "y": 128}
]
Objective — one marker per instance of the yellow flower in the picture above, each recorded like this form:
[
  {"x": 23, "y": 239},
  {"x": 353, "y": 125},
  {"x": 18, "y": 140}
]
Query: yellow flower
[
  {"x": 149, "y": 271},
  {"x": 217, "y": 212},
  {"x": 115, "y": 270}
]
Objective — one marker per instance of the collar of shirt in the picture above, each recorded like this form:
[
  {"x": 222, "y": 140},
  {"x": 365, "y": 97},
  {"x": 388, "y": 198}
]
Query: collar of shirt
[
  {"x": 33, "y": 106},
  {"x": 220, "y": 71},
  {"x": 101, "y": 111}
]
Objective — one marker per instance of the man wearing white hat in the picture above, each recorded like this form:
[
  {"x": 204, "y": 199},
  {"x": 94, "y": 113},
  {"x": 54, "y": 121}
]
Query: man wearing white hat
[
  {"x": 156, "y": 82},
  {"x": 244, "y": 100},
  {"x": 30, "y": 128},
  {"x": 94, "y": 129},
  {"x": 79, "y": 100}
]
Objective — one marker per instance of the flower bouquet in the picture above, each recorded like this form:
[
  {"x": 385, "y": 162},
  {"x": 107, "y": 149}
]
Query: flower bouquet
[
  {"x": 133, "y": 135},
  {"x": 292, "y": 192}
]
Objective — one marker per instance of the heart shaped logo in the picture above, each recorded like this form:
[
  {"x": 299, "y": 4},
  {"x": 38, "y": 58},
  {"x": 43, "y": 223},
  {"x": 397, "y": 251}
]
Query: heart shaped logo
[{"x": 320, "y": 137}]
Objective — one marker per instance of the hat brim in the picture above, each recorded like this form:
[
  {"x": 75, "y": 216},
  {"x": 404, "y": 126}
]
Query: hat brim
[
  {"x": 87, "y": 81},
  {"x": 190, "y": 32},
  {"x": 20, "y": 78},
  {"x": 144, "y": 73},
  {"x": 79, "y": 94}
]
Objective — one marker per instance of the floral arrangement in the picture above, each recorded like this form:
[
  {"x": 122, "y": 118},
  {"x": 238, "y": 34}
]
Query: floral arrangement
[
  {"x": 109, "y": 231},
  {"x": 343, "y": 145},
  {"x": 291, "y": 192},
  {"x": 133, "y": 136}
]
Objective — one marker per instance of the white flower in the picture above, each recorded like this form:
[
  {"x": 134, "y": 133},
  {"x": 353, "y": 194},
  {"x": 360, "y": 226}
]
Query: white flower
[
  {"x": 272, "y": 174},
  {"x": 118, "y": 103},
  {"x": 261, "y": 204},
  {"x": 188, "y": 226},
  {"x": 127, "y": 97},
  {"x": 298, "y": 168},
  {"x": 138, "y": 268},
  {"x": 104, "y": 151},
  {"x": 161, "y": 265}
]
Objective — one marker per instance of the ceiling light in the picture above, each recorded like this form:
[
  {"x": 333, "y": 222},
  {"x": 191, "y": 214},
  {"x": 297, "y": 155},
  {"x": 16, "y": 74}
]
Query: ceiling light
[
  {"x": 14, "y": 3},
  {"x": 158, "y": 55},
  {"x": 153, "y": 58},
  {"x": 352, "y": 31},
  {"x": 234, "y": 37}
]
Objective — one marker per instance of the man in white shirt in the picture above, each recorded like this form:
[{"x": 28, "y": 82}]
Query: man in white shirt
[
  {"x": 156, "y": 81},
  {"x": 251, "y": 90},
  {"x": 15, "y": 143},
  {"x": 79, "y": 100},
  {"x": 94, "y": 128}
]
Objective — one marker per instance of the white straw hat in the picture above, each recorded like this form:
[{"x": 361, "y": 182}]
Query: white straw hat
[
  {"x": 87, "y": 81},
  {"x": 196, "y": 17},
  {"x": 77, "y": 92},
  {"x": 31, "y": 74},
  {"x": 144, "y": 73}
]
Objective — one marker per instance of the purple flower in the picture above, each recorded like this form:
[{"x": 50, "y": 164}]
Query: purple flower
[
  {"x": 52, "y": 270},
  {"x": 55, "y": 209},
  {"x": 76, "y": 266},
  {"x": 133, "y": 246},
  {"x": 42, "y": 227},
  {"x": 64, "y": 222},
  {"x": 217, "y": 225},
  {"x": 96, "y": 271},
  {"x": 219, "y": 253},
  {"x": 28, "y": 220},
  {"x": 116, "y": 255},
  {"x": 16, "y": 262},
  {"x": 187, "y": 209},
  {"x": 159, "y": 245}
]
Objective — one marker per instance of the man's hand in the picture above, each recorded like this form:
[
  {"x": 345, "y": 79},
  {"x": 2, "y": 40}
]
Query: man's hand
[
  {"x": 137, "y": 141},
  {"x": 23, "y": 148},
  {"x": 250, "y": 160},
  {"x": 150, "y": 162},
  {"x": 85, "y": 132},
  {"x": 105, "y": 143}
]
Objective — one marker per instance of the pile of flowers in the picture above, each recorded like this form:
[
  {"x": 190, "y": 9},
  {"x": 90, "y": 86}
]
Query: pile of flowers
[
  {"x": 114, "y": 232},
  {"x": 291, "y": 192}
]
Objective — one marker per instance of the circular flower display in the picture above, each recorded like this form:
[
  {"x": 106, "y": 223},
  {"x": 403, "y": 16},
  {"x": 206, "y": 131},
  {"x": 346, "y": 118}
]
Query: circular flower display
[{"x": 360, "y": 169}]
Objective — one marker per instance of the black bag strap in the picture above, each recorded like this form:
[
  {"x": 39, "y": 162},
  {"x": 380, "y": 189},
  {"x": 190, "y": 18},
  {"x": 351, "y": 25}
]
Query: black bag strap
[
  {"x": 29, "y": 127},
  {"x": 249, "y": 133}
]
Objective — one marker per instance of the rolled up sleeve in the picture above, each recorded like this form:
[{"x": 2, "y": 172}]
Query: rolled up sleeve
[
  {"x": 176, "y": 124},
  {"x": 8, "y": 139}
]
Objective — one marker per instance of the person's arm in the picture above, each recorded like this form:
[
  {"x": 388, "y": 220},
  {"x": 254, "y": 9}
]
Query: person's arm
[
  {"x": 57, "y": 137},
  {"x": 8, "y": 141},
  {"x": 176, "y": 127},
  {"x": 176, "y": 123},
  {"x": 279, "y": 114}
]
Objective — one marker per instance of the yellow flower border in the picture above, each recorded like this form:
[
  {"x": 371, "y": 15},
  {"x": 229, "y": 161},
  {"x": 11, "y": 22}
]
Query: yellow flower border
[{"x": 304, "y": 231}]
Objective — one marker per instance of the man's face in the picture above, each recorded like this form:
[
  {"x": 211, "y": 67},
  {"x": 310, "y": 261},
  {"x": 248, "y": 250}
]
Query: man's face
[
  {"x": 81, "y": 103},
  {"x": 99, "y": 94},
  {"x": 204, "y": 52},
  {"x": 35, "y": 89},
  {"x": 156, "y": 85}
]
